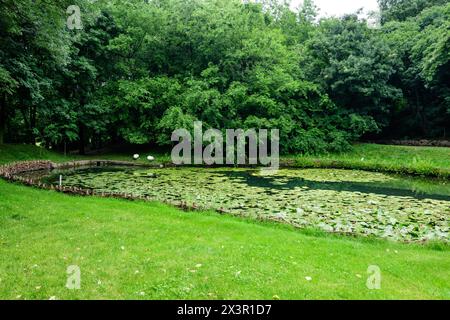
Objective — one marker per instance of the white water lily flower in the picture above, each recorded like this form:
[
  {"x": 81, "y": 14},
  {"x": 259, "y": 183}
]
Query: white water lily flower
[{"x": 308, "y": 278}]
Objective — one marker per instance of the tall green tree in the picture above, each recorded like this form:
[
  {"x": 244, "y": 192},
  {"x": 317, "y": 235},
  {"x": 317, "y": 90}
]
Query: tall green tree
[
  {"x": 422, "y": 45},
  {"x": 354, "y": 66},
  {"x": 401, "y": 10},
  {"x": 32, "y": 42}
]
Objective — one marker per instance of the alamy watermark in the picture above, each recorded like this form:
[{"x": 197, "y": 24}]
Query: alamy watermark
[
  {"x": 374, "y": 279},
  {"x": 229, "y": 149},
  {"x": 74, "y": 19},
  {"x": 73, "y": 278}
]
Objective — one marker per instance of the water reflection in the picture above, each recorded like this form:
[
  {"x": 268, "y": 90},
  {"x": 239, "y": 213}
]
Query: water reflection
[{"x": 380, "y": 188}]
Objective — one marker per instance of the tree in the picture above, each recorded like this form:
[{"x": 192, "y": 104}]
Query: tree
[
  {"x": 353, "y": 65},
  {"x": 31, "y": 42},
  {"x": 7, "y": 87},
  {"x": 401, "y": 10},
  {"x": 422, "y": 45},
  {"x": 138, "y": 69}
]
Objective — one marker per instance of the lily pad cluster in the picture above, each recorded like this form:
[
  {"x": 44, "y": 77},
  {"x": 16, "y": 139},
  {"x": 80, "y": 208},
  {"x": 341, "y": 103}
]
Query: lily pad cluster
[{"x": 341, "y": 201}]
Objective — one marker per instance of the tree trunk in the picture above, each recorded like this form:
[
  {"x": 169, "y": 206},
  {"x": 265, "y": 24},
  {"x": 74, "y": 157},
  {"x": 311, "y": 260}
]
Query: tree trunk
[
  {"x": 421, "y": 114},
  {"x": 2, "y": 119},
  {"x": 33, "y": 111},
  {"x": 82, "y": 150}
]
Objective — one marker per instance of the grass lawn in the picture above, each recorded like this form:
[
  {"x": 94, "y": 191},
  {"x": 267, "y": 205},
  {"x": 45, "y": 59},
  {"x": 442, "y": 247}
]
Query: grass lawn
[
  {"x": 20, "y": 152},
  {"x": 398, "y": 159},
  {"x": 138, "y": 250}
]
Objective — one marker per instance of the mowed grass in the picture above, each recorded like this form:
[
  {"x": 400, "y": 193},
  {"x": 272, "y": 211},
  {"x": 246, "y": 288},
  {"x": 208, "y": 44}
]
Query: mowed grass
[
  {"x": 426, "y": 161},
  {"x": 138, "y": 250},
  {"x": 20, "y": 152}
]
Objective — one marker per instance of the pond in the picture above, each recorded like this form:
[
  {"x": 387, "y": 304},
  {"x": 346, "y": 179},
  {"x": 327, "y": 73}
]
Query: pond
[{"x": 343, "y": 201}]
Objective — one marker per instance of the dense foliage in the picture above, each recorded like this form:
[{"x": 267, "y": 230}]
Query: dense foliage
[{"x": 138, "y": 69}]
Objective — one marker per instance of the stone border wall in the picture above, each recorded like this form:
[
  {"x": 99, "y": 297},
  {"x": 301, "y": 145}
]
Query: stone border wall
[{"x": 11, "y": 172}]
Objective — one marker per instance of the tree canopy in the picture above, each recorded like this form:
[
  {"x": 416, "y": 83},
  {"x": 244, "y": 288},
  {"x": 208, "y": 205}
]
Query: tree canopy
[{"x": 138, "y": 69}]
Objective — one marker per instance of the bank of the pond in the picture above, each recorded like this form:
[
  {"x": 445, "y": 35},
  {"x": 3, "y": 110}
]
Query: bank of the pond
[
  {"x": 418, "y": 161},
  {"x": 421, "y": 161},
  {"x": 134, "y": 250},
  {"x": 324, "y": 207},
  {"x": 338, "y": 201}
]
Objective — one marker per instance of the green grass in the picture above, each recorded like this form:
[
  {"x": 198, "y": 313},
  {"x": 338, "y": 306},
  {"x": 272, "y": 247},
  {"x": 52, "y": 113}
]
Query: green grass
[
  {"x": 426, "y": 161},
  {"x": 138, "y": 250},
  {"x": 21, "y": 152},
  {"x": 127, "y": 248}
]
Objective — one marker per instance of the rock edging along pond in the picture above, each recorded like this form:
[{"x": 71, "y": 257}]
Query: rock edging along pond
[
  {"x": 339, "y": 201},
  {"x": 16, "y": 172}
]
